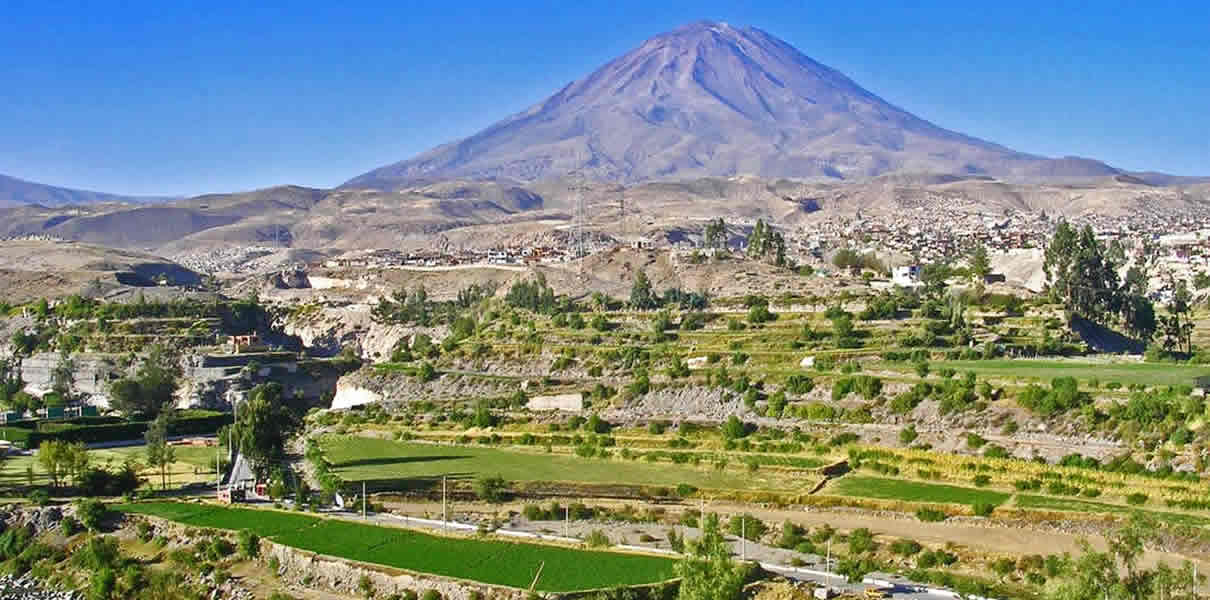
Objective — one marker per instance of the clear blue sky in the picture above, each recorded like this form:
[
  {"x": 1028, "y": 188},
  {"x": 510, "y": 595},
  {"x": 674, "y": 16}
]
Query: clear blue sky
[{"x": 186, "y": 97}]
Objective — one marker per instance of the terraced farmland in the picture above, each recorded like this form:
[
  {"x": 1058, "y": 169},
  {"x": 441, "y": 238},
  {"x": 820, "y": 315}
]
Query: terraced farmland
[{"x": 487, "y": 561}]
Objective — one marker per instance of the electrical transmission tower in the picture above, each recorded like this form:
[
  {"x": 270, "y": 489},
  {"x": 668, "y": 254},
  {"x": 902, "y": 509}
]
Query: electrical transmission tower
[{"x": 579, "y": 229}]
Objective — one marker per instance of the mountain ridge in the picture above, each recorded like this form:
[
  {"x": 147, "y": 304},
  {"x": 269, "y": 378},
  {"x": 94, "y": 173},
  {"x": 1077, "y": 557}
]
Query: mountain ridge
[
  {"x": 17, "y": 192},
  {"x": 708, "y": 99}
]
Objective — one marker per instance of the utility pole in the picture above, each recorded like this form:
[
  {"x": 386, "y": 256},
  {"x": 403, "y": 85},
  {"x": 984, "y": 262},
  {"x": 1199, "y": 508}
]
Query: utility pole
[
  {"x": 445, "y": 515},
  {"x": 364, "y": 500},
  {"x": 743, "y": 539},
  {"x": 827, "y": 562},
  {"x": 567, "y": 520}
]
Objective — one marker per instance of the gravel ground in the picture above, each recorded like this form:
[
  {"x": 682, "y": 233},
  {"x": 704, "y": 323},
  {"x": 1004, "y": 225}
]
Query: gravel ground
[{"x": 25, "y": 588}]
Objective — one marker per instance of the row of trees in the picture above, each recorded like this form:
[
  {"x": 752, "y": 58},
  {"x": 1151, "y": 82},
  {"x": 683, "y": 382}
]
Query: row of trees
[
  {"x": 415, "y": 307},
  {"x": 766, "y": 243},
  {"x": 1083, "y": 273}
]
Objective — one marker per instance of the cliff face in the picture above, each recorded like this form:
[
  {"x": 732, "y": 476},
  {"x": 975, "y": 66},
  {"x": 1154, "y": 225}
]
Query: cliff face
[
  {"x": 91, "y": 374},
  {"x": 327, "y": 331}
]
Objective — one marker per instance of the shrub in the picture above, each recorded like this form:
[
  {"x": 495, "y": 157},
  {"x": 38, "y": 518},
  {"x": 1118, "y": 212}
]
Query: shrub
[
  {"x": 906, "y": 547},
  {"x": 249, "y": 544},
  {"x": 69, "y": 526},
  {"x": 747, "y": 526},
  {"x": 91, "y": 512},
  {"x": 1136, "y": 499},
  {"x": 931, "y": 515},
  {"x": 430, "y": 595},
  {"x": 39, "y": 497},
  {"x": 983, "y": 509},
  {"x": 491, "y": 489},
  {"x": 861, "y": 541},
  {"x": 597, "y": 539}
]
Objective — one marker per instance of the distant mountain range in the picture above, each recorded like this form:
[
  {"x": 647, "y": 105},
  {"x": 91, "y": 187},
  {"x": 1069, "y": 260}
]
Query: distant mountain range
[
  {"x": 707, "y": 120},
  {"x": 709, "y": 99},
  {"x": 15, "y": 192}
]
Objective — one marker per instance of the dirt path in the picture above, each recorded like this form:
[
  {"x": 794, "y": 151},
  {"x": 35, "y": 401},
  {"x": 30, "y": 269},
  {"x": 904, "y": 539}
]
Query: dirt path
[
  {"x": 988, "y": 539},
  {"x": 1002, "y": 540}
]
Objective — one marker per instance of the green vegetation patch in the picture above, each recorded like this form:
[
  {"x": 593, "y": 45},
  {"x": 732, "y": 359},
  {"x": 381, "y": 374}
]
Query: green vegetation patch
[
  {"x": 1031, "y": 502},
  {"x": 913, "y": 491},
  {"x": 1126, "y": 374},
  {"x": 489, "y": 561},
  {"x": 357, "y": 459}
]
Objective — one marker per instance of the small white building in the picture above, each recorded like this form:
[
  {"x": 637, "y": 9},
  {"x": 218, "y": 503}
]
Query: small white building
[{"x": 906, "y": 276}]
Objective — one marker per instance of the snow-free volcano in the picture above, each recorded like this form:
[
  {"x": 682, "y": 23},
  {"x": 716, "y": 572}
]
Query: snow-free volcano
[{"x": 711, "y": 99}]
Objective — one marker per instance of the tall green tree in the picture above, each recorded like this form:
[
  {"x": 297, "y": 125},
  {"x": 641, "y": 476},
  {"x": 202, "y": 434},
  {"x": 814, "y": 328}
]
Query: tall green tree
[
  {"x": 62, "y": 377},
  {"x": 641, "y": 296},
  {"x": 160, "y": 454},
  {"x": 153, "y": 387},
  {"x": 707, "y": 571},
  {"x": 1177, "y": 326},
  {"x": 980, "y": 264},
  {"x": 716, "y": 234},
  {"x": 264, "y": 425}
]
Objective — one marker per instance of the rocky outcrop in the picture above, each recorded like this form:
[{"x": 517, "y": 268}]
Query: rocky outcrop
[
  {"x": 376, "y": 384},
  {"x": 326, "y": 331},
  {"x": 349, "y": 394},
  {"x": 91, "y": 374}
]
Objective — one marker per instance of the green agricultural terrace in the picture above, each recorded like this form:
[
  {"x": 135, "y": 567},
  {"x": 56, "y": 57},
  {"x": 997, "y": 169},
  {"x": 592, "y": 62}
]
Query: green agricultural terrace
[
  {"x": 912, "y": 491},
  {"x": 372, "y": 459},
  {"x": 494, "y": 562},
  {"x": 1149, "y": 374}
]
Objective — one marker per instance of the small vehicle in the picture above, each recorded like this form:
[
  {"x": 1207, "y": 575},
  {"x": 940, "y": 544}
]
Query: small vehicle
[{"x": 877, "y": 593}]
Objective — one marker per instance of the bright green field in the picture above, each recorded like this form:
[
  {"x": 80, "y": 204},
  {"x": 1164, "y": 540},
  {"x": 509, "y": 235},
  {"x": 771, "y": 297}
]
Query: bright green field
[
  {"x": 912, "y": 491},
  {"x": 357, "y": 459},
  {"x": 488, "y": 561},
  {"x": 1028, "y": 501},
  {"x": 1124, "y": 373}
]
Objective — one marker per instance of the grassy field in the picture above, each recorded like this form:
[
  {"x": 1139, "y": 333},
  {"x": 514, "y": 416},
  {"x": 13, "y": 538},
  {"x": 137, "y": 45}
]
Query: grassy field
[
  {"x": 193, "y": 464},
  {"x": 912, "y": 491},
  {"x": 357, "y": 459},
  {"x": 1031, "y": 502},
  {"x": 1045, "y": 370},
  {"x": 488, "y": 561}
]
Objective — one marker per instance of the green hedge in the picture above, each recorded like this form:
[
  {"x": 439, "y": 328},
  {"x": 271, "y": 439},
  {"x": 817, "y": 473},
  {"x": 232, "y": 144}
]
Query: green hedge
[{"x": 194, "y": 422}]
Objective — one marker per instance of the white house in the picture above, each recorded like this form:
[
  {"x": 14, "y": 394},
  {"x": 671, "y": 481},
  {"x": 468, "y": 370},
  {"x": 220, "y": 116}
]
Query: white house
[{"x": 906, "y": 276}]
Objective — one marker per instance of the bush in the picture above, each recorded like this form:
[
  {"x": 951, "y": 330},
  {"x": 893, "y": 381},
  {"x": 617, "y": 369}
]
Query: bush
[
  {"x": 983, "y": 509},
  {"x": 91, "y": 512},
  {"x": 931, "y": 515},
  {"x": 69, "y": 526},
  {"x": 39, "y": 497},
  {"x": 249, "y": 544},
  {"x": 597, "y": 539},
  {"x": 747, "y": 526},
  {"x": 906, "y": 547},
  {"x": 430, "y": 595},
  {"x": 491, "y": 489},
  {"x": 1136, "y": 499}
]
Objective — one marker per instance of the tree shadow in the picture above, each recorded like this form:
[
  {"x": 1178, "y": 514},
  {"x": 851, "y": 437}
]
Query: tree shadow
[
  {"x": 396, "y": 460},
  {"x": 415, "y": 484},
  {"x": 1104, "y": 339}
]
